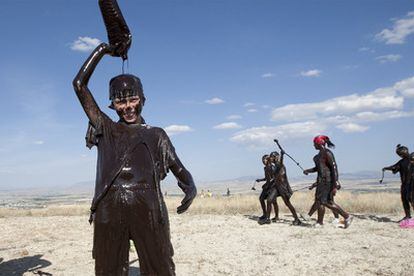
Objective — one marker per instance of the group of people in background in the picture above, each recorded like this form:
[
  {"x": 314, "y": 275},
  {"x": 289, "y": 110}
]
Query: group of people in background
[
  {"x": 327, "y": 184},
  {"x": 276, "y": 185}
]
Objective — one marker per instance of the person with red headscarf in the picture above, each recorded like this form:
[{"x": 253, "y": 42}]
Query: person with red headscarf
[{"x": 327, "y": 179}]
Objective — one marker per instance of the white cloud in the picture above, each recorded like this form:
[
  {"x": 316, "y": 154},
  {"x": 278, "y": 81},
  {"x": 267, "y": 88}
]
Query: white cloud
[
  {"x": 351, "y": 113},
  {"x": 214, "y": 101},
  {"x": 85, "y": 44},
  {"x": 248, "y": 104},
  {"x": 265, "y": 106},
  {"x": 405, "y": 87},
  {"x": 369, "y": 116},
  {"x": 377, "y": 100},
  {"x": 251, "y": 110},
  {"x": 352, "y": 127},
  {"x": 39, "y": 142},
  {"x": 401, "y": 29},
  {"x": 388, "y": 58},
  {"x": 263, "y": 136},
  {"x": 268, "y": 75},
  {"x": 177, "y": 129},
  {"x": 228, "y": 125},
  {"x": 234, "y": 117},
  {"x": 311, "y": 73},
  {"x": 364, "y": 49}
]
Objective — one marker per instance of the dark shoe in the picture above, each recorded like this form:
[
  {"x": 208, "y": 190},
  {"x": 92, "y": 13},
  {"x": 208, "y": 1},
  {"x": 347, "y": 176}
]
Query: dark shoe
[
  {"x": 297, "y": 222},
  {"x": 264, "y": 221},
  {"x": 262, "y": 217}
]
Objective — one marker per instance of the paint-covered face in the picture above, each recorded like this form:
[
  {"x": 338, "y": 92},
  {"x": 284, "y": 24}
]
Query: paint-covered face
[
  {"x": 317, "y": 146},
  {"x": 265, "y": 160},
  {"x": 128, "y": 109},
  {"x": 403, "y": 152},
  {"x": 275, "y": 159}
]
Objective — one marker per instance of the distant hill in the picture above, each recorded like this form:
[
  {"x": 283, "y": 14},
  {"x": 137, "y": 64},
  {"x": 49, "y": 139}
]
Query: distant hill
[{"x": 243, "y": 184}]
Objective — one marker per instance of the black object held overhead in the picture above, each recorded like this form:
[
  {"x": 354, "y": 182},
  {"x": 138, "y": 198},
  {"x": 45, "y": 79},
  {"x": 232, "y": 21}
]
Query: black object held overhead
[
  {"x": 280, "y": 147},
  {"x": 119, "y": 35}
]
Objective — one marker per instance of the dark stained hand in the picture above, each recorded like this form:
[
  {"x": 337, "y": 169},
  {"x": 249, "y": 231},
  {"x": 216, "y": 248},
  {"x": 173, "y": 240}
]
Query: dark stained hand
[
  {"x": 190, "y": 193},
  {"x": 338, "y": 186}
]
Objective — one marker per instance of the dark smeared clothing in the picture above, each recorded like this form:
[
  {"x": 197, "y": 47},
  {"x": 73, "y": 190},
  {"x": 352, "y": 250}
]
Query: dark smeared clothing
[
  {"x": 116, "y": 141},
  {"x": 270, "y": 181},
  {"x": 128, "y": 204},
  {"x": 281, "y": 181},
  {"x": 325, "y": 166}
]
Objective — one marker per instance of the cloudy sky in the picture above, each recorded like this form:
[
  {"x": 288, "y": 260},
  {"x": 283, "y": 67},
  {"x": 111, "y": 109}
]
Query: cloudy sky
[{"x": 223, "y": 78}]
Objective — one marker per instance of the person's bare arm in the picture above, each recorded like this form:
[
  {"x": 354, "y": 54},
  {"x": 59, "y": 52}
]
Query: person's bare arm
[
  {"x": 80, "y": 83},
  {"x": 311, "y": 170},
  {"x": 394, "y": 168},
  {"x": 282, "y": 154},
  {"x": 330, "y": 161}
]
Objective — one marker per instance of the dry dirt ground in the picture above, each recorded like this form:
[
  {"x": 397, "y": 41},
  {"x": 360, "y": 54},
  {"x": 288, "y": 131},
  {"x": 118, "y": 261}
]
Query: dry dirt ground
[{"x": 219, "y": 245}]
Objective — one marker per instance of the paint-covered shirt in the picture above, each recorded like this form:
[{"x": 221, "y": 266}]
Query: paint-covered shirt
[{"x": 117, "y": 143}]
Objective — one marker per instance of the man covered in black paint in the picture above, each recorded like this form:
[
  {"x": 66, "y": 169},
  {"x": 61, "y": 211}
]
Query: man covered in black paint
[
  {"x": 281, "y": 185},
  {"x": 269, "y": 178},
  {"x": 405, "y": 168},
  {"x": 132, "y": 160}
]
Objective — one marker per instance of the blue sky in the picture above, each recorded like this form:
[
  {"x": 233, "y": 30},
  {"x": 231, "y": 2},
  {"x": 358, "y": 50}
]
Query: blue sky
[{"x": 222, "y": 77}]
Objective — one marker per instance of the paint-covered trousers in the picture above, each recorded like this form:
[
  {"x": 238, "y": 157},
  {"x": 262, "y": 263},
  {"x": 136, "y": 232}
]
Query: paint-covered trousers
[{"x": 132, "y": 212}]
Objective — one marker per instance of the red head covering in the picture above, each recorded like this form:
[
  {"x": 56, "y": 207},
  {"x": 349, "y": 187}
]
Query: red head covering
[{"x": 321, "y": 140}]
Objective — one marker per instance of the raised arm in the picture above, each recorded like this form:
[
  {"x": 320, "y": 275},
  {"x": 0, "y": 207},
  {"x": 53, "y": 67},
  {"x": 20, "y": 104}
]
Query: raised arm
[
  {"x": 186, "y": 183},
  {"x": 282, "y": 154},
  {"x": 80, "y": 83}
]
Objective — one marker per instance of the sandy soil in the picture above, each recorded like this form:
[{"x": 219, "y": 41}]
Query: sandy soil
[{"x": 219, "y": 245}]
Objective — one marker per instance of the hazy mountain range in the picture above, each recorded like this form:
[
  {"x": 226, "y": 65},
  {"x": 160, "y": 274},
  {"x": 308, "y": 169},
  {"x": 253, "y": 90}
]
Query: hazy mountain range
[{"x": 236, "y": 185}]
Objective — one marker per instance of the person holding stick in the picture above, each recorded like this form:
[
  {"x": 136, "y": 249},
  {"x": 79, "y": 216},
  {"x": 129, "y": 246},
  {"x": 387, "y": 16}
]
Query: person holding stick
[
  {"x": 281, "y": 186},
  {"x": 327, "y": 180}
]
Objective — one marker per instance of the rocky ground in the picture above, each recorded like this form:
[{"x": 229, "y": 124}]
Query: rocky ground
[{"x": 219, "y": 245}]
